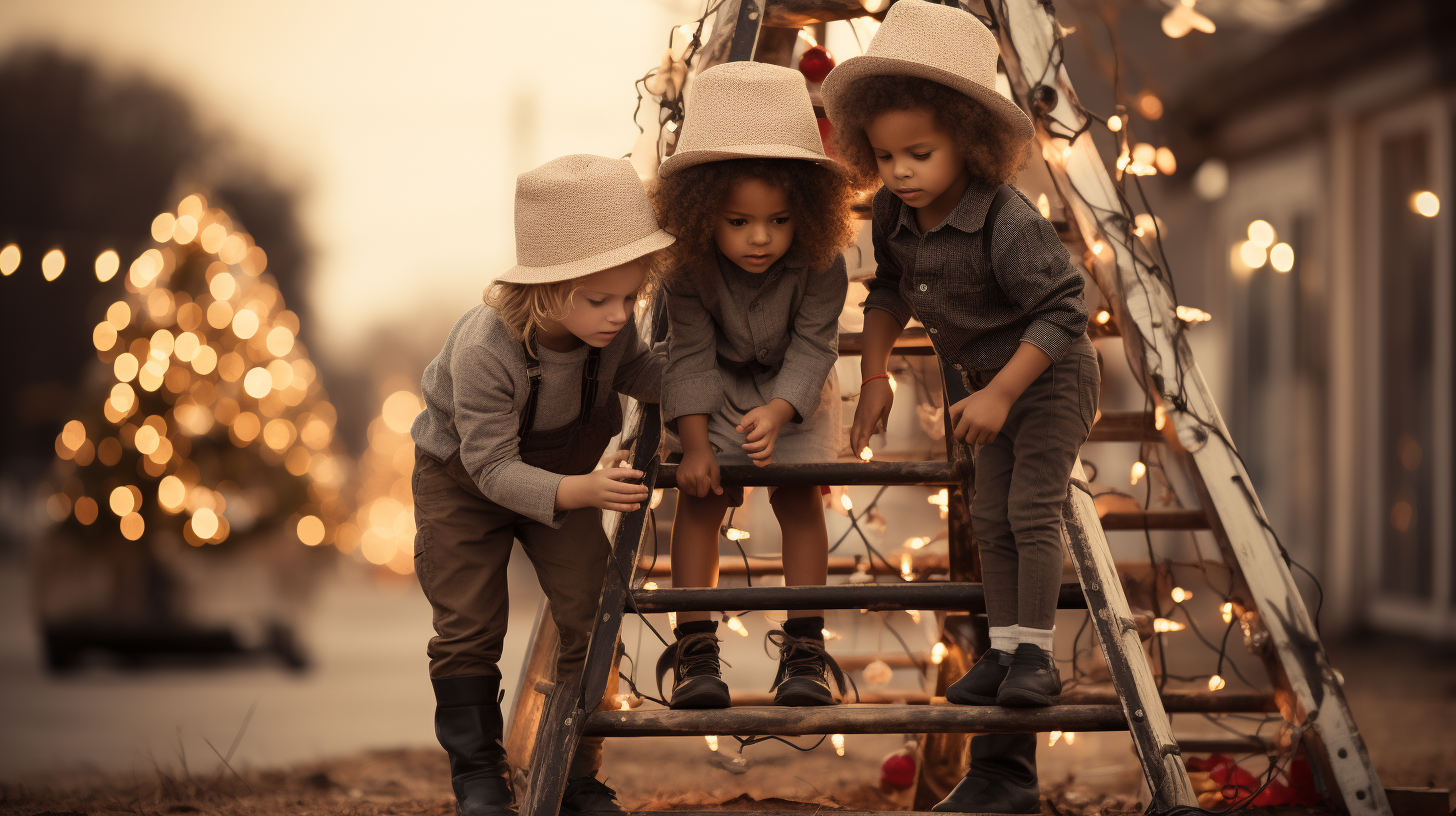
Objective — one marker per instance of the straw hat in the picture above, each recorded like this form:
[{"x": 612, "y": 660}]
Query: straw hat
[
  {"x": 935, "y": 42},
  {"x": 581, "y": 214},
  {"x": 747, "y": 110}
]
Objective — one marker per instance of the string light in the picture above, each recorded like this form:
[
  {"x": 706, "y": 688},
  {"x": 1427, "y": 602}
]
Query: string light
[
  {"x": 1215, "y": 683},
  {"x": 1424, "y": 203},
  {"x": 1281, "y": 257},
  {"x": 737, "y": 626},
  {"x": 846, "y": 502},
  {"x": 916, "y": 543},
  {"x": 1103, "y": 316},
  {"x": 1227, "y": 610},
  {"x": 1180, "y": 594},
  {"x": 1139, "y": 470},
  {"x": 9, "y": 259},
  {"x": 650, "y": 586},
  {"x": 1160, "y": 418},
  {"x": 1044, "y": 206},
  {"x": 866, "y": 454},
  {"x": 1262, "y": 234},
  {"x": 712, "y": 742},
  {"x": 1053, "y": 737},
  {"x": 1163, "y": 626},
  {"x": 914, "y": 615},
  {"x": 107, "y": 264},
  {"x": 906, "y": 570},
  {"x": 938, "y": 653},
  {"x": 1114, "y": 123},
  {"x": 1069, "y": 737},
  {"x": 52, "y": 264},
  {"x": 1190, "y": 314},
  {"x": 734, "y": 534},
  {"x": 837, "y": 740}
]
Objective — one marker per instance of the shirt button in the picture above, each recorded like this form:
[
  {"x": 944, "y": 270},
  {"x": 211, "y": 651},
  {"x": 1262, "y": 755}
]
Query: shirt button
[
  {"x": 932, "y": 330},
  {"x": 923, "y": 287},
  {"x": 763, "y": 352}
]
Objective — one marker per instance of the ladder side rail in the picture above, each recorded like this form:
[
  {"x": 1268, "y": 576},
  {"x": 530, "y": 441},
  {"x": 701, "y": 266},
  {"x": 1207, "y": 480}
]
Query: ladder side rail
[
  {"x": 1146, "y": 316},
  {"x": 1117, "y": 633}
]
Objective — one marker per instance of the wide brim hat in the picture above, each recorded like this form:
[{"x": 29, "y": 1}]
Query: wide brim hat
[
  {"x": 747, "y": 110},
  {"x": 581, "y": 214},
  {"x": 940, "y": 43}
]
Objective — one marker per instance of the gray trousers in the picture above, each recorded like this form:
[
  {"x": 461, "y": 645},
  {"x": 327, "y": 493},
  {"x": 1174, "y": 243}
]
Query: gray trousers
[
  {"x": 1021, "y": 483},
  {"x": 462, "y": 545}
]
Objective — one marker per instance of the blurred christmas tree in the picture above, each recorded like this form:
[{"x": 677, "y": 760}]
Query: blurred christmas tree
[{"x": 212, "y": 422}]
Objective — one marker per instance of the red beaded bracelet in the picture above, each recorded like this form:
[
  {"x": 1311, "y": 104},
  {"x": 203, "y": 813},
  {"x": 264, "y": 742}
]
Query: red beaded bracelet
[{"x": 873, "y": 377}]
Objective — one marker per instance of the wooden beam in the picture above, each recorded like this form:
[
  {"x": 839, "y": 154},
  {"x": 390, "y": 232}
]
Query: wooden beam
[
  {"x": 838, "y": 565},
  {"x": 799, "y": 13},
  {"x": 827, "y": 473},
  {"x": 1156, "y": 520},
  {"x": 852, "y": 719},
  {"x": 874, "y": 597},
  {"x": 1125, "y": 426},
  {"x": 1174, "y": 702}
]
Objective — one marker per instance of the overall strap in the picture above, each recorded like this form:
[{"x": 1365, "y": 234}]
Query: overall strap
[{"x": 533, "y": 378}]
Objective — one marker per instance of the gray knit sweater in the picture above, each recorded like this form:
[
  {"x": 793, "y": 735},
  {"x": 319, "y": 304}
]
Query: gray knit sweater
[{"x": 475, "y": 392}]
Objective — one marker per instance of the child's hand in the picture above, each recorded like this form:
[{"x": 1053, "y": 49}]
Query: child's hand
[
  {"x": 610, "y": 488},
  {"x": 698, "y": 473},
  {"x": 875, "y": 399},
  {"x": 761, "y": 427},
  {"x": 978, "y": 418}
]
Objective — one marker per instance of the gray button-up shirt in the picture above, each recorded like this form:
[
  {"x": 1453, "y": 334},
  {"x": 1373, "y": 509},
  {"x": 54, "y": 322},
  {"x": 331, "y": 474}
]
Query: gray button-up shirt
[
  {"x": 977, "y": 317},
  {"x": 782, "y": 325},
  {"x": 475, "y": 392}
]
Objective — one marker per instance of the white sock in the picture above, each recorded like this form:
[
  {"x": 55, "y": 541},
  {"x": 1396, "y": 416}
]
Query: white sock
[
  {"x": 1037, "y": 637},
  {"x": 1005, "y": 638}
]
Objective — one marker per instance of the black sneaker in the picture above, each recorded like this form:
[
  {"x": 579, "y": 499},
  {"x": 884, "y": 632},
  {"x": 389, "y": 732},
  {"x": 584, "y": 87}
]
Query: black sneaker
[
  {"x": 804, "y": 669},
  {"x": 587, "y": 794},
  {"x": 697, "y": 679},
  {"x": 980, "y": 685},
  {"x": 1032, "y": 679}
]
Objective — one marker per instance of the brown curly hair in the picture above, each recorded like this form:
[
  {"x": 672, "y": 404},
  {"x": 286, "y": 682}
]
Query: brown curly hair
[
  {"x": 993, "y": 151},
  {"x": 690, "y": 201}
]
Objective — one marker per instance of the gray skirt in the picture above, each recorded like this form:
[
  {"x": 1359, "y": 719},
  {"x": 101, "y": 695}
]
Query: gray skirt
[{"x": 817, "y": 439}]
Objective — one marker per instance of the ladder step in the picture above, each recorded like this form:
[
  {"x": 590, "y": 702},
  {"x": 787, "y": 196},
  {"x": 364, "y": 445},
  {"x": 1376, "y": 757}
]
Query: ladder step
[
  {"x": 827, "y": 473},
  {"x": 853, "y": 719},
  {"x": 838, "y": 565},
  {"x": 1174, "y": 702},
  {"x": 1195, "y": 519},
  {"x": 874, "y": 597},
  {"x": 1126, "y": 426},
  {"x": 914, "y": 340}
]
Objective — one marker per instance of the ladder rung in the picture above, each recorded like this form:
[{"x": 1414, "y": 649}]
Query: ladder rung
[
  {"x": 1125, "y": 426},
  {"x": 827, "y": 473},
  {"x": 853, "y": 719},
  {"x": 1226, "y": 745},
  {"x": 1174, "y": 702},
  {"x": 874, "y": 597},
  {"x": 1194, "y": 519},
  {"x": 914, "y": 340},
  {"x": 838, "y": 565}
]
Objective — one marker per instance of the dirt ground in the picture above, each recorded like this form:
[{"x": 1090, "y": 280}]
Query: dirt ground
[{"x": 1403, "y": 696}]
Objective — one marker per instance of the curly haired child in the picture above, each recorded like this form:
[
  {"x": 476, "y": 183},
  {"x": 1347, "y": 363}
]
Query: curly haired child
[
  {"x": 519, "y": 407},
  {"x": 754, "y": 295},
  {"x": 974, "y": 261}
]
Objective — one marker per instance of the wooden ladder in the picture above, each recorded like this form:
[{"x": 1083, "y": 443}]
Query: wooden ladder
[{"x": 550, "y": 718}]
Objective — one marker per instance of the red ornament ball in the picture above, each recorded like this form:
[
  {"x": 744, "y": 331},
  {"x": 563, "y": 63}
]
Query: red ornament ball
[
  {"x": 897, "y": 772},
  {"x": 816, "y": 63}
]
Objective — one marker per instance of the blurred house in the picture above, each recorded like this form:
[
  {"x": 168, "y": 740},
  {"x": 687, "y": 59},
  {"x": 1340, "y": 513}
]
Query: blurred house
[{"x": 1341, "y": 376}]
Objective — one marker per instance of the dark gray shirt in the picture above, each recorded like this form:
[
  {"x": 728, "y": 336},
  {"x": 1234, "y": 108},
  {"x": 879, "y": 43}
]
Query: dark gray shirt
[{"x": 977, "y": 317}]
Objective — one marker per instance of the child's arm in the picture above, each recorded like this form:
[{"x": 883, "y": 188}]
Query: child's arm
[
  {"x": 639, "y": 374},
  {"x": 691, "y": 388},
  {"x": 487, "y": 422},
  {"x": 886, "y": 314},
  {"x": 698, "y": 472},
  {"x": 979, "y": 417}
]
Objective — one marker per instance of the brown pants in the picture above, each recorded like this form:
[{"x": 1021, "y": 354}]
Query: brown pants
[
  {"x": 462, "y": 545},
  {"x": 1021, "y": 484}
]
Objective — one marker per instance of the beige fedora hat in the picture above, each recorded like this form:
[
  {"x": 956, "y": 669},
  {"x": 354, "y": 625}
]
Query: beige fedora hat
[
  {"x": 747, "y": 110},
  {"x": 581, "y": 214},
  {"x": 939, "y": 43}
]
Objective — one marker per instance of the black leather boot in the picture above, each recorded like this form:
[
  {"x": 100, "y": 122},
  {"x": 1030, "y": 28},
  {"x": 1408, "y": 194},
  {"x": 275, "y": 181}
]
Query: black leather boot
[
  {"x": 1001, "y": 779},
  {"x": 697, "y": 677},
  {"x": 804, "y": 665},
  {"x": 980, "y": 685},
  {"x": 587, "y": 794},
  {"x": 1031, "y": 680},
  {"x": 468, "y": 724}
]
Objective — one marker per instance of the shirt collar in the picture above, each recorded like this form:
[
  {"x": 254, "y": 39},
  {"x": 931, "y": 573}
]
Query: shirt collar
[{"x": 968, "y": 216}]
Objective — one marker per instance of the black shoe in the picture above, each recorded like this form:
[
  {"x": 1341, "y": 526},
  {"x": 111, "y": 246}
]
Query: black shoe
[
  {"x": 804, "y": 669},
  {"x": 1001, "y": 779},
  {"x": 697, "y": 679},
  {"x": 468, "y": 724},
  {"x": 1032, "y": 679},
  {"x": 979, "y": 685},
  {"x": 585, "y": 794}
]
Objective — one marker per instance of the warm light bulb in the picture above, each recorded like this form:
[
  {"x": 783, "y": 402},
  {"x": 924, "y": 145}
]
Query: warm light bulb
[
  {"x": 1160, "y": 418},
  {"x": 905, "y": 566},
  {"x": 1163, "y": 625},
  {"x": 1043, "y": 206},
  {"x": 1228, "y": 612},
  {"x": 1215, "y": 683},
  {"x": 107, "y": 263},
  {"x": 1070, "y": 737},
  {"x": 838, "y": 741},
  {"x": 712, "y": 742},
  {"x": 1139, "y": 470},
  {"x": 1262, "y": 234},
  {"x": 52, "y": 264},
  {"x": 938, "y": 653},
  {"x": 1053, "y": 737},
  {"x": 845, "y": 501},
  {"x": 916, "y": 543},
  {"x": 914, "y": 615},
  {"x": 9, "y": 259},
  {"x": 1114, "y": 123},
  {"x": 1103, "y": 316},
  {"x": 866, "y": 454},
  {"x": 1426, "y": 203},
  {"x": 737, "y": 626},
  {"x": 650, "y": 586},
  {"x": 1180, "y": 594},
  {"x": 1281, "y": 257}
]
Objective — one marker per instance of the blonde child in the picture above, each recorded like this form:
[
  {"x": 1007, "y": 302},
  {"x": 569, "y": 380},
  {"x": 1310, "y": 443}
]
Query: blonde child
[
  {"x": 755, "y": 292},
  {"x": 519, "y": 407},
  {"x": 974, "y": 261}
]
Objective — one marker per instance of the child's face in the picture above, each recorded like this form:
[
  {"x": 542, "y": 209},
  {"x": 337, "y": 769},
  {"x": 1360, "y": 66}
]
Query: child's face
[
  {"x": 601, "y": 305},
  {"x": 918, "y": 161},
  {"x": 754, "y": 228}
]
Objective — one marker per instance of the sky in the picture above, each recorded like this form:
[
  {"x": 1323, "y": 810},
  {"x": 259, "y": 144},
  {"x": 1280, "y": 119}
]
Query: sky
[{"x": 402, "y": 126}]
